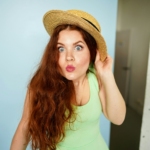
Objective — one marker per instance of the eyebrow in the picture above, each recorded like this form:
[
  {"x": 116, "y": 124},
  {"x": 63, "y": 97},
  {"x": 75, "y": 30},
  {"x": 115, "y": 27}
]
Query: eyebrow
[{"x": 73, "y": 43}]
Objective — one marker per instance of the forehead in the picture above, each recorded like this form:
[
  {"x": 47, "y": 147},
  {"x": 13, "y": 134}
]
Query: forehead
[{"x": 70, "y": 34}]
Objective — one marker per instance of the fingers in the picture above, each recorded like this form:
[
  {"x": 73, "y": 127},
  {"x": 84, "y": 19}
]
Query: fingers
[
  {"x": 108, "y": 58},
  {"x": 97, "y": 56}
]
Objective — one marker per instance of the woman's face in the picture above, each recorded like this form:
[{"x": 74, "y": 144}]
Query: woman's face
[{"x": 74, "y": 55}]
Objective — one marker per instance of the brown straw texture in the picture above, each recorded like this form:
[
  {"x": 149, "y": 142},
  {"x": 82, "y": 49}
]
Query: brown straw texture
[{"x": 54, "y": 18}]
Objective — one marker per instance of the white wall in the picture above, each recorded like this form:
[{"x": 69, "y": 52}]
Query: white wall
[
  {"x": 145, "y": 130},
  {"x": 134, "y": 15},
  {"x": 22, "y": 41}
]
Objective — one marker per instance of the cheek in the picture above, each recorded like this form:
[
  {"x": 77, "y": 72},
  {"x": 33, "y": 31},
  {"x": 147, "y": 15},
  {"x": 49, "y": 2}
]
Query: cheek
[
  {"x": 60, "y": 66},
  {"x": 60, "y": 60},
  {"x": 84, "y": 61}
]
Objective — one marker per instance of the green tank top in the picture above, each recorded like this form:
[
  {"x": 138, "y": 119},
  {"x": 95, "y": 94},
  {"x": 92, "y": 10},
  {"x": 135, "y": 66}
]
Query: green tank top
[{"x": 84, "y": 132}]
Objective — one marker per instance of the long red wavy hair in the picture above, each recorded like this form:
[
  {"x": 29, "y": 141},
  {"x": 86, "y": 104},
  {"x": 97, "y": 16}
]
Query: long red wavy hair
[{"x": 52, "y": 95}]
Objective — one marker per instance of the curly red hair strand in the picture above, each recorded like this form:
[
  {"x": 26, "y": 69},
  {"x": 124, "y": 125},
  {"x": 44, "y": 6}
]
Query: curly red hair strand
[{"x": 52, "y": 95}]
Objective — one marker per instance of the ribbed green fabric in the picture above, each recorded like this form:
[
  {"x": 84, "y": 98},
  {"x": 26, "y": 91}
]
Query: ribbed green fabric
[{"x": 84, "y": 133}]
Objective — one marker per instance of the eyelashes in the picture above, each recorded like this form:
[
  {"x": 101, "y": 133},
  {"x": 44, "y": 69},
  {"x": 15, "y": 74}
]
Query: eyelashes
[
  {"x": 77, "y": 47},
  {"x": 61, "y": 49}
]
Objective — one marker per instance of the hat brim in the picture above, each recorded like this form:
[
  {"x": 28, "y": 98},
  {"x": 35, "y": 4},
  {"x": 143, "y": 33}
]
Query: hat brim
[{"x": 54, "y": 18}]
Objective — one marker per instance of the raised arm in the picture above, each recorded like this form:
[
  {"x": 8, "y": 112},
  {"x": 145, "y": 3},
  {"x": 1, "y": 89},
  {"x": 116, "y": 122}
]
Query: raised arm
[
  {"x": 113, "y": 104},
  {"x": 21, "y": 138}
]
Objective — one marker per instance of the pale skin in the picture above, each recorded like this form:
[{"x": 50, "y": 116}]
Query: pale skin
[{"x": 75, "y": 53}]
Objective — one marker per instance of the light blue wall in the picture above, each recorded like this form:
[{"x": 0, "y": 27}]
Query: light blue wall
[{"x": 22, "y": 40}]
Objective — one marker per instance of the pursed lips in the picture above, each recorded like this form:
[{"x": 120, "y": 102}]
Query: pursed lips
[{"x": 70, "y": 68}]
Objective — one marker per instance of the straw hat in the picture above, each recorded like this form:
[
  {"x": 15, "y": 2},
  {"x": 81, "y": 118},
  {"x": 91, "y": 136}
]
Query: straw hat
[{"x": 54, "y": 18}]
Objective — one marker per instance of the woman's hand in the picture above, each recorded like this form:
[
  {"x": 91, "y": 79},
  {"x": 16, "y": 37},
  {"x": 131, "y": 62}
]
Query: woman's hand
[
  {"x": 103, "y": 68},
  {"x": 113, "y": 104}
]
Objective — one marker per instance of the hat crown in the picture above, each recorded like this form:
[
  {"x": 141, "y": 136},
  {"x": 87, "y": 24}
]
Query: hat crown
[
  {"x": 86, "y": 16},
  {"x": 87, "y": 22}
]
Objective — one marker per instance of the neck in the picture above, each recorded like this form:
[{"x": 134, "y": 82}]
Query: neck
[{"x": 79, "y": 82}]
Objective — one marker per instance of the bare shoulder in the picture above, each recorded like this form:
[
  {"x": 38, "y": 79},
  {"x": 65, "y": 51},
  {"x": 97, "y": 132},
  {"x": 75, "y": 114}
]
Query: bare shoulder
[{"x": 27, "y": 105}]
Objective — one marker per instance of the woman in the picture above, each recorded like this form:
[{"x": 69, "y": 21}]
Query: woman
[{"x": 72, "y": 86}]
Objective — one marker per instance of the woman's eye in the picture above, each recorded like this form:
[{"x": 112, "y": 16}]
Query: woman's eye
[
  {"x": 61, "y": 49},
  {"x": 78, "y": 47}
]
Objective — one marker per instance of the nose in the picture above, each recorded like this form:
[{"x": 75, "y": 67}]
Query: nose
[{"x": 69, "y": 56}]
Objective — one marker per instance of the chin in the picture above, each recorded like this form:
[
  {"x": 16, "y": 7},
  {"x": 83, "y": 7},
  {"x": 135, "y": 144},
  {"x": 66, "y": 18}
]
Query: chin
[{"x": 69, "y": 78}]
